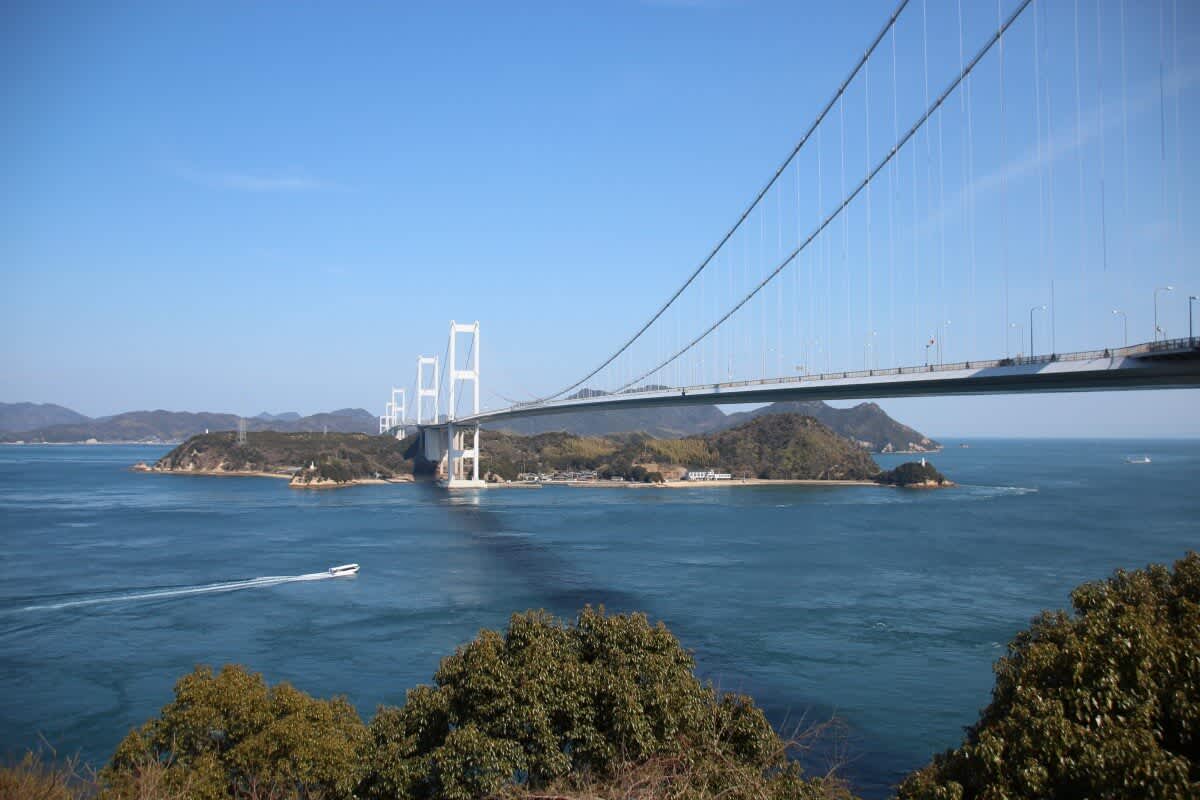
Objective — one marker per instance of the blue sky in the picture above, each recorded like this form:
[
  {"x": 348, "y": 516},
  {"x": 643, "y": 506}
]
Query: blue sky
[{"x": 230, "y": 206}]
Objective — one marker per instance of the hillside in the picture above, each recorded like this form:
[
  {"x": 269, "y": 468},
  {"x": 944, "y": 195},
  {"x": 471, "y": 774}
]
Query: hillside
[
  {"x": 173, "y": 426},
  {"x": 28, "y": 416},
  {"x": 790, "y": 446},
  {"x": 865, "y": 423},
  {"x": 337, "y": 457},
  {"x": 776, "y": 446}
]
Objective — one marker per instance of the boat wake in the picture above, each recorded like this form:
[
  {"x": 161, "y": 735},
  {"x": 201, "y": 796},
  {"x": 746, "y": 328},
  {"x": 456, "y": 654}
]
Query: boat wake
[{"x": 182, "y": 591}]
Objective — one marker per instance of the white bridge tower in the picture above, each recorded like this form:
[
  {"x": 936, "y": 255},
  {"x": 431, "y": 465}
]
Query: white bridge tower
[
  {"x": 399, "y": 412},
  {"x": 427, "y": 366},
  {"x": 459, "y": 452}
]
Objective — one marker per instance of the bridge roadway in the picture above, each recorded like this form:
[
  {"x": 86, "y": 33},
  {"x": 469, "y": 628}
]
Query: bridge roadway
[{"x": 1173, "y": 364}]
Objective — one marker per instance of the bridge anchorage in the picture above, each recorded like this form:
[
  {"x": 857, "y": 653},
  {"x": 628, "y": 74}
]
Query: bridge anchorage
[{"x": 450, "y": 444}]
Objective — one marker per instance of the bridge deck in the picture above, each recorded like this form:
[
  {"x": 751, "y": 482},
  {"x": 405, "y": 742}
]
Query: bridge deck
[{"x": 1158, "y": 365}]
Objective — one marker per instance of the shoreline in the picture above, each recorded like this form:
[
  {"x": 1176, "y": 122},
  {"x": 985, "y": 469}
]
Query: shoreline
[
  {"x": 288, "y": 476},
  {"x": 687, "y": 484},
  {"x": 209, "y": 473},
  {"x": 741, "y": 482}
]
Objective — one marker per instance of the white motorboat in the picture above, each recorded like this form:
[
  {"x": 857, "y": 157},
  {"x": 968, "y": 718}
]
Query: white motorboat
[
  {"x": 344, "y": 570},
  {"x": 1137, "y": 460}
]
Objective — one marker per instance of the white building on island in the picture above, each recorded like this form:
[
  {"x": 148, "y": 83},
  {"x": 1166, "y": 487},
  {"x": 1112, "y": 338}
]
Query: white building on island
[{"x": 708, "y": 475}]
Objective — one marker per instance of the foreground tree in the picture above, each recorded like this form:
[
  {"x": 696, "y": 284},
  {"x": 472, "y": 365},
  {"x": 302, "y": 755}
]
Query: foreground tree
[
  {"x": 1102, "y": 704},
  {"x": 551, "y": 704},
  {"x": 582, "y": 707},
  {"x": 230, "y": 735}
]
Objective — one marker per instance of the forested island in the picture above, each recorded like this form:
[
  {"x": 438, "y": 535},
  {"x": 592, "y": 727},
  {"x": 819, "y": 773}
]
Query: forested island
[
  {"x": 774, "y": 447},
  {"x": 305, "y": 459}
]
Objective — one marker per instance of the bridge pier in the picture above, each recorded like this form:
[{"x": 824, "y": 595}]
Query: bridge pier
[{"x": 463, "y": 445}]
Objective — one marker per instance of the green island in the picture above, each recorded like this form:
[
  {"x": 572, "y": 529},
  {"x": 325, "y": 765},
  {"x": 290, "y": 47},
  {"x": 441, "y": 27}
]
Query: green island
[
  {"x": 305, "y": 459},
  {"x": 1101, "y": 702},
  {"x": 785, "y": 447}
]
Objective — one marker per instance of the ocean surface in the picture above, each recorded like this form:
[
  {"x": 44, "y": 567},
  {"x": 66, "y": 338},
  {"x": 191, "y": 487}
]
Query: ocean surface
[{"x": 881, "y": 607}]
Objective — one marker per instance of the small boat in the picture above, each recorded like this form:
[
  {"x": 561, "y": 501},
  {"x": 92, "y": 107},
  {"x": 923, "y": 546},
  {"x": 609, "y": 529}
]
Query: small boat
[
  {"x": 1137, "y": 459},
  {"x": 344, "y": 570}
]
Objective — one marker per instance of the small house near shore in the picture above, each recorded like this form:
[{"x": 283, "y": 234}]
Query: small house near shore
[{"x": 708, "y": 475}]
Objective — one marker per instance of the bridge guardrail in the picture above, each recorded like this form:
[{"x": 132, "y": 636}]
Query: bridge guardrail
[{"x": 1146, "y": 348}]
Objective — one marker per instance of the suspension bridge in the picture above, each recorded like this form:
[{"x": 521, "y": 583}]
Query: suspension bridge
[{"x": 1018, "y": 169}]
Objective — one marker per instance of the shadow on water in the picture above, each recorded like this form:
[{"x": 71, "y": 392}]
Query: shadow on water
[
  {"x": 566, "y": 589},
  {"x": 867, "y": 763}
]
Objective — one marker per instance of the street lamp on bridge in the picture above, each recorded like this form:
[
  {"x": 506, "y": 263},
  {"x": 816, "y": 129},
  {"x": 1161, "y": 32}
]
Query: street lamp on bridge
[
  {"x": 1035, "y": 308},
  {"x": 1158, "y": 330},
  {"x": 1191, "y": 299},
  {"x": 1020, "y": 334},
  {"x": 1124, "y": 325}
]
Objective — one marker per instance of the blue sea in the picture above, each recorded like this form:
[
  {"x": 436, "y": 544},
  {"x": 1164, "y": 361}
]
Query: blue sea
[{"x": 882, "y": 608}]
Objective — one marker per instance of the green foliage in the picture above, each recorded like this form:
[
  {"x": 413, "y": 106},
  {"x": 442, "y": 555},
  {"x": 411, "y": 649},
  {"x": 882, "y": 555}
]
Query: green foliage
[
  {"x": 335, "y": 469},
  {"x": 507, "y": 455},
  {"x": 230, "y": 734},
  {"x": 789, "y": 446},
  {"x": 337, "y": 456},
  {"x": 547, "y": 702},
  {"x": 1102, "y": 704},
  {"x": 776, "y": 446},
  {"x": 694, "y": 452},
  {"x": 544, "y": 703},
  {"x": 912, "y": 473}
]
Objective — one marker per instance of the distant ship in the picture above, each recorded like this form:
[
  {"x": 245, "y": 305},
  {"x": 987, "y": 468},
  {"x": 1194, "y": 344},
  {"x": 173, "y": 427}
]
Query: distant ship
[
  {"x": 1137, "y": 459},
  {"x": 344, "y": 570}
]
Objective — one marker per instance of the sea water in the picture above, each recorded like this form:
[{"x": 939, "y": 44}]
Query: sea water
[{"x": 882, "y": 608}]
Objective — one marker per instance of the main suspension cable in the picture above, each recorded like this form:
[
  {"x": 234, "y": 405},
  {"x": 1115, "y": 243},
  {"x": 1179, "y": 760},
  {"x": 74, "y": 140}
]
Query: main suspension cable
[
  {"x": 1000, "y": 31},
  {"x": 749, "y": 209}
]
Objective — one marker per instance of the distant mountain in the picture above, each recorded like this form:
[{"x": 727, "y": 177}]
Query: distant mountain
[
  {"x": 357, "y": 413},
  {"x": 344, "y": 420},
  {"x": 663, "y": 423},
  {"x": 866, "y": 423},
  {"x": 174, "y": 426},
  {"x": 287, "y": 416},
  {"x": 27, "y": 416}
]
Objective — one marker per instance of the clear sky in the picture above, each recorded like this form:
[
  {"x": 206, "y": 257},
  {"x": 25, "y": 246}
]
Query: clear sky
[{"x": 262, "y": 206}]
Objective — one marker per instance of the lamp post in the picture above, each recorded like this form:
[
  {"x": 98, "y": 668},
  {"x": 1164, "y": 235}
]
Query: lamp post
[
  {"x": 942, "y": 343},
  {"x": 1124, "y": 325},
  {"x": 1020, "y": 334},
  {"x": 1158, "y": 330},
  {"x": 869, "y": 350},
  {"x": 1191, "y": 299},
  {"x": 1035, "y": 308},
  {"x": 929, "y": 344}
]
